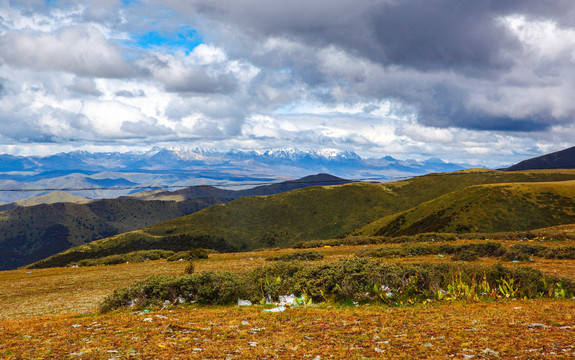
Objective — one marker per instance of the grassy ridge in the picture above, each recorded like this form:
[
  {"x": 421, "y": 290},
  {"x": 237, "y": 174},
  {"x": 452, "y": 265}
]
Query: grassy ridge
[
  {"x": 336, "y": 211},
  {"x": 485, "y": 208}
]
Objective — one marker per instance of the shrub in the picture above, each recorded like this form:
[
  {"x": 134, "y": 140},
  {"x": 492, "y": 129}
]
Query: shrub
[
  {"x": 194, "y": 254},
  {"x": 345, "y": 280},
  {"x": 466, "y": 252},
  {"x": 135, "y": 256},
  {"x": 301, "y": 255},
  {"x": 190, "y": 269}
]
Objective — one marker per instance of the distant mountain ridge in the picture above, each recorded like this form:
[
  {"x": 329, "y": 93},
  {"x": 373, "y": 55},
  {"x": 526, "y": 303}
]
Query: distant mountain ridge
[
  {"x": 128, "y": 172},
  {"x": 166, "y": 158},
  {"x": 564, "y": 159}
]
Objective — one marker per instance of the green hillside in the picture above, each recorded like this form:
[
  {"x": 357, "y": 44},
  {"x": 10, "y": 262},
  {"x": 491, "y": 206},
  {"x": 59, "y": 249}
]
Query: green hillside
[
  {"x": 31, "y": 233},
  {"x": 486, "y": 209},
  {"x": 312, "y": 213}
]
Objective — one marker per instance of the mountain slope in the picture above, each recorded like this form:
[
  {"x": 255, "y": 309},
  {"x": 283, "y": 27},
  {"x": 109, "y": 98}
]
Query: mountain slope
[
  {"x": 564, "y": 159},
  {"x": 485, "y": 208},
  {"x": 304, "y": 214},
  {"x": 30, "y": 233},
  {"x": 50, "y": 198}
]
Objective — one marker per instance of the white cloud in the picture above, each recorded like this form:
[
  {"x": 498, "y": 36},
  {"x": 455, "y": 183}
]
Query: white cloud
[{"x": 78, "y": 49}]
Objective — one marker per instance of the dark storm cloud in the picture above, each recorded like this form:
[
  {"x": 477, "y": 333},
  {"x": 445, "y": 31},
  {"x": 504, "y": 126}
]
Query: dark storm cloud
[{"x": 455, "y": 49}]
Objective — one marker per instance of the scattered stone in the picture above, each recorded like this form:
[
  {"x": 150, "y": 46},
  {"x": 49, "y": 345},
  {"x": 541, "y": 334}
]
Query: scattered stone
[
  {"x": 488, "y": 351},
  {"x": 379, "y": 350},
  {"x": 76, "y": 325},
  {"x": 245, "y": 322},
  {"x": 537, "y": 325},
  {"x": 197, "y": 350},
  {"x": 148, "y": 320},
  {"x": 317, "y": 358},
  {"x": 253, "y": 343},
  {"x": 161, "y": 316}
]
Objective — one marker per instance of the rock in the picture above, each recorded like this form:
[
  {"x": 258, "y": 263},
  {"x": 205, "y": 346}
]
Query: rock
[{"x": 537, "y": 325}]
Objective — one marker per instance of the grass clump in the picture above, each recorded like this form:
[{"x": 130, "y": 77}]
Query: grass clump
[
  {"x": 303, "y": 255},
  {"x": 360, "y": 280}
]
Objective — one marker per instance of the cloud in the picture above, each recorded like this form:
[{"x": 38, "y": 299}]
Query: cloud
[
  {"x": 407, "y": 77},
  {"x": 85, "y": 86},
  {"x": 439, "y": 57},
  {"x": 130, "y": 93},
  {"x": 78, "y": 49}
]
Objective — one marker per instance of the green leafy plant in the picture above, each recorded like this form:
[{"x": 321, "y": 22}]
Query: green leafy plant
[{"x": 508, "y": 288}]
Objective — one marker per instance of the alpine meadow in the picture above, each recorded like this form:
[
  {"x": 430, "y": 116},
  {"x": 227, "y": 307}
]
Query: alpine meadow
[{"x": 234, "y": 179}]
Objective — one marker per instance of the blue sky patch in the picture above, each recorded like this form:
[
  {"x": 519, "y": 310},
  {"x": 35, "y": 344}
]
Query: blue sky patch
[{"x": 185, "y": 39}]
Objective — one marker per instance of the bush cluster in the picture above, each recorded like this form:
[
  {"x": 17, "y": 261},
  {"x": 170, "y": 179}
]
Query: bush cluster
[
  {"x": 371, "y": 240},
  {"x": 302, "y": 255},
  {"x": 135, "y": 256},
  {"x": 522, "y": 252},
  {"x": 194, "y": 254},
  {"x": 459, "y": 252},
  {"x": 473, "y": 251},
  {"x": 432, "y": 237},
  {"x": 361, "y": 280}
]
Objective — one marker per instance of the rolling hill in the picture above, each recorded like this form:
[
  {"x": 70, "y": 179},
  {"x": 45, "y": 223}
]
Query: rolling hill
[
  {"x": 311, "y": 213},
  {"x": 31, "y": 233},
  {"x": 485, "y": 209}
]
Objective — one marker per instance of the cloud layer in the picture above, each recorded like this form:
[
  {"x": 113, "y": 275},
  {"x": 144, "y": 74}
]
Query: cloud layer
[{"x": 484, "y": 81}]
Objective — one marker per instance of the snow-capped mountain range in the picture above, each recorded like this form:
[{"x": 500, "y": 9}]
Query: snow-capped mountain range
[{"x": 190, "y": 166}]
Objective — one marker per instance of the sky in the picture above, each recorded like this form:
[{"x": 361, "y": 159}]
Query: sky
[{"x": 484, "y": 82}]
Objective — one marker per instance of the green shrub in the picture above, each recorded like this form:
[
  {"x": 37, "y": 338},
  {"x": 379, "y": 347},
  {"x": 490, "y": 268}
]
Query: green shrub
[
  {"x": 302, "y": 255},
  {"x": 516, "y": 255},
  {"x": 466, "y": 252},
  {"x": 346, "y": 280},
  {"x": 194, "y": 254},
  {"x": 135, "y": 256},
  {"x": 564, "y": 252},
  {"x": 190, "y": 269}
]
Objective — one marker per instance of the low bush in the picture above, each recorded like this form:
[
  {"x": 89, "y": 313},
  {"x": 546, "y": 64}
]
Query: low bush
[
  {"x": 194, "y": 254},
  {"x": 135, "y": 256},
  {"x": 359, "y": 280},
  {"x": 302, "y": 255},
  {"x": 371, "y": 240},
  {"x": 466, "y": 252}
]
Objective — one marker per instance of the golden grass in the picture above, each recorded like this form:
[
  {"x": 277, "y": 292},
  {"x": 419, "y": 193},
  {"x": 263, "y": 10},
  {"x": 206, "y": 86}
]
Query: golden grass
[
  {"x": 49, "y": 314},
  {"x": 26, "y": 293},
  {"x": 533, "y": 329}
]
